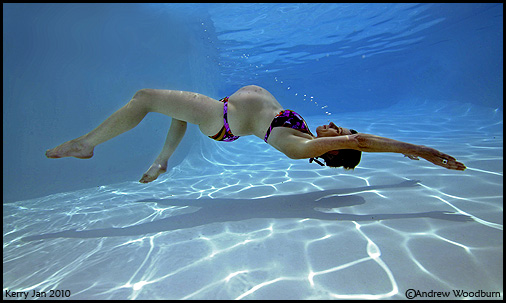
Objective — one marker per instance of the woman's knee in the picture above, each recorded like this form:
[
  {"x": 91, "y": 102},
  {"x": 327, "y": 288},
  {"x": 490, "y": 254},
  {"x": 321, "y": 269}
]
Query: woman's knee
[
  {"x": 142, "y": 99},
  {"x": 143, "y": 94}
]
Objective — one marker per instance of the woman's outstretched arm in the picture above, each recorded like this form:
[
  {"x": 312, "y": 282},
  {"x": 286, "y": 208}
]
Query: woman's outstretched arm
[
  {"x": 297, "y": 147},
  {"x": 372, "y": 143}
]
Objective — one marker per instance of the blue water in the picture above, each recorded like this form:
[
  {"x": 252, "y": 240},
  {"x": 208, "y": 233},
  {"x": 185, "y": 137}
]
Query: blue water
[{"x": 240, "y": 220}]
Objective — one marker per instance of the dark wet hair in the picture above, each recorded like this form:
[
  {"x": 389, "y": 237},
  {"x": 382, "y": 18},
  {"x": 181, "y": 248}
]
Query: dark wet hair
[{"x": 347, "y": 158}]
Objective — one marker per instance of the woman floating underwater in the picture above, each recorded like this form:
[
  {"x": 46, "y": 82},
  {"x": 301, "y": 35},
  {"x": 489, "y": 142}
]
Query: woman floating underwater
[{"x": 251, "y": 110}]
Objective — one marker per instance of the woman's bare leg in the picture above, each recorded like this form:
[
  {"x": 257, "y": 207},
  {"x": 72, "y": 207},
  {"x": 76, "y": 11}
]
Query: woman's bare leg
[
  {"x": 121, "y": 121},
  {"x": 183, "y": 106},
  {"x": 176, "y": 133}
]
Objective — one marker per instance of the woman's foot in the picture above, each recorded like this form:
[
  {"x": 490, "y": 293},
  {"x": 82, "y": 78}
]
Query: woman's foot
[
  {"x": 73, "y": 148},
  {"x": 153, "y": 172}
]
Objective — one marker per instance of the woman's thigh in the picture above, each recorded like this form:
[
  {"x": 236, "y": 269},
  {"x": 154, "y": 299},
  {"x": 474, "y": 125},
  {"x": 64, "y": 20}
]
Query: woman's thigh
[{"x": 185, "y": 106}]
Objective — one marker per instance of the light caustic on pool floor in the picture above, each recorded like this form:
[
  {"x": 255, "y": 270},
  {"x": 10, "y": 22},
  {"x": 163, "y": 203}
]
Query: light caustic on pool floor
[{"x": 226, "y": 224}]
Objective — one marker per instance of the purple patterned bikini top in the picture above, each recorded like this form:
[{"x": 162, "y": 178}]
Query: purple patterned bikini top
[{"x": 290, "y": 119}]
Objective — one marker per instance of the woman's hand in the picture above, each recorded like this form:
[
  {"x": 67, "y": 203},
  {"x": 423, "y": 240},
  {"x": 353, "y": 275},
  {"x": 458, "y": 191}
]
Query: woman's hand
[
  {"x": 411, "y": 157},
  {"x": 438, "y": 158}
]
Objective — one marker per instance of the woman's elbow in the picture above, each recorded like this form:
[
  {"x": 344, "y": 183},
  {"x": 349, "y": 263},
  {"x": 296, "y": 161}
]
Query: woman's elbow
[{"x": 361, "y": 142}]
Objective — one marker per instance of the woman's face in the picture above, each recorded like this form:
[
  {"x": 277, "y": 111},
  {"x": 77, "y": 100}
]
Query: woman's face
[{"x": 331, "y": 130}]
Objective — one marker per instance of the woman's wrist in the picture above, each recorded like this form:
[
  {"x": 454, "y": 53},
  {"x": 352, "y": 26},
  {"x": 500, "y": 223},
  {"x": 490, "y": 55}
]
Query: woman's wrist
[{"x": 421, "y": 151}]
